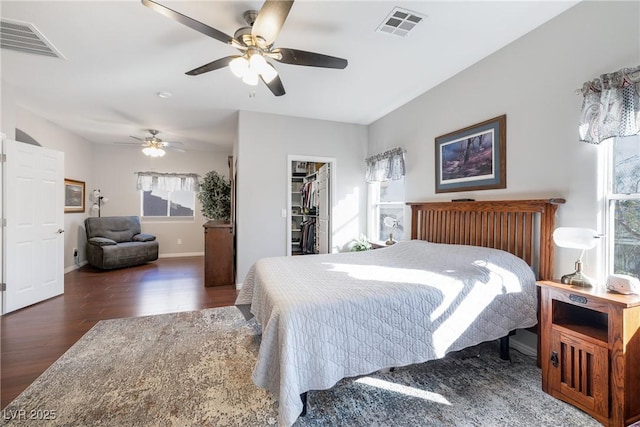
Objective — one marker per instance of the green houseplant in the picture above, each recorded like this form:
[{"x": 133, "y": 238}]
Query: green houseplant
[
  {"x": 360, "y": 244},
  {"x": 215, "y": 197}
]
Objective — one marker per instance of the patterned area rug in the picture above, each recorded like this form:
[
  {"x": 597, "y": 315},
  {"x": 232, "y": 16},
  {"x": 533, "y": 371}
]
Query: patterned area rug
[{"x": 194, "y": 369}]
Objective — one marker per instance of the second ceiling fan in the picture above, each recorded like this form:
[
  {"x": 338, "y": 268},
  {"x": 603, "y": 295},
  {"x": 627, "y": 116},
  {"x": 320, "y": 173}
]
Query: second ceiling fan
[{"x": 255, "y": 44}]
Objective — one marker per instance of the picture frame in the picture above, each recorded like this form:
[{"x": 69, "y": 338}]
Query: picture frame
[
  {"x": 74, "y": 196},
  {"x": 473, "y": 158}
]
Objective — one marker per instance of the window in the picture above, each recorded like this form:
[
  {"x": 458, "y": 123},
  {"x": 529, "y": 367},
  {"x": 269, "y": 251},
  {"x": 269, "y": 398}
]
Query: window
[
  {"x": 167, "y": 195},
  {"x": 386, "y": 200},
  {"x": 623, "y": 202},
  {"x": 162, "y": 203}
]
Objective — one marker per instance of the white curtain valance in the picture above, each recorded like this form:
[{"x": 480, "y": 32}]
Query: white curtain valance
[
  {"x": 148, "y": 181},
  {"x": 611, "y": 106},
  {"x": 386, "y": 166}
]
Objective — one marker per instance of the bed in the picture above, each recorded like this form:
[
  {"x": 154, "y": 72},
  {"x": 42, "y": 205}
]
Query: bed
[{"x": 467, "y": 276}]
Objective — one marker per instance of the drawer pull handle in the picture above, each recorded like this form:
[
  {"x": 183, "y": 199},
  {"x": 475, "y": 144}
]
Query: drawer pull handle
[
  {"x": 577, "y": 298},
  {"x": 554, "y": 359}
]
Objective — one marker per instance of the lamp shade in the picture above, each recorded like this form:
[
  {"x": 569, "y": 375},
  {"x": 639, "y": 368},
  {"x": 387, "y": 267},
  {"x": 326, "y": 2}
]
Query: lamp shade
[
  {"x": 239, "y": 66},
  {"x": 268, "y": 73},
  {"x": 390, "y": 222},
  {"x": 575, "y": 237},
  {"x": 250, "y": 77},
  {"x": 257, "y": 63}
]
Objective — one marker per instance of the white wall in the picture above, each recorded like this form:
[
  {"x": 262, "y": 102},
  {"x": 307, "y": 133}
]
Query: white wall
[
  {"x": 115, "y": 168},
  {"x": 264, "y": 142},
  {"x": 532, "y": 81},
  {"x": 78, "y": 165},
  {"x": 7, "y": 110}
]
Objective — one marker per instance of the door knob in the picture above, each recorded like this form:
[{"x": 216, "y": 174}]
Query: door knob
[{"x": 60, "y": 231}]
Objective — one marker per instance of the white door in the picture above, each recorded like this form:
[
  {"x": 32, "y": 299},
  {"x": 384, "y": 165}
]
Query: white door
[
  {"x": 33, "y": 195},
  {"x": 323, "y": 214}
]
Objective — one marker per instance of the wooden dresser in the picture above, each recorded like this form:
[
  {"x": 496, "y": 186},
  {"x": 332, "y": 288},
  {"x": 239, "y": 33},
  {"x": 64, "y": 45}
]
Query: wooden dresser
[
  {"x": 218, "y": 254},
  {"x": 590, "y": 350}
]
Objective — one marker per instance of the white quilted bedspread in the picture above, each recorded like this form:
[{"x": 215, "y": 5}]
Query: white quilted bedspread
[{"x": 327, "y": 317}]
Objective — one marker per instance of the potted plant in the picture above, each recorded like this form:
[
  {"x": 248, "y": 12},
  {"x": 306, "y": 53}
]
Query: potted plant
[
  {"x": 360, "y": 244},
  {"x": 215, "y": 197}
]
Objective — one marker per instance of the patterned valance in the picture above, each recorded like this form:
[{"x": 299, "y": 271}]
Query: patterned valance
[
  {"x": 611, "y": 106},
  {"x": 148, "y": 181},
  {"x": 386, "y": 166}
]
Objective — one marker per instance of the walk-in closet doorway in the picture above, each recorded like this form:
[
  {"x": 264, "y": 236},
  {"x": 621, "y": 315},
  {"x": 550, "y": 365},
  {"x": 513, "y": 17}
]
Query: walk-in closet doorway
[{"x": 311, "y": 190}]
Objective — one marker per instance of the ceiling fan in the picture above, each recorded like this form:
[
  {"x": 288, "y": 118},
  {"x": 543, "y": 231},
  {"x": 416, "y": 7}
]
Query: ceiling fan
[
  {"x": 255, "y": 44},
  {"x": 153, "y": 146}
]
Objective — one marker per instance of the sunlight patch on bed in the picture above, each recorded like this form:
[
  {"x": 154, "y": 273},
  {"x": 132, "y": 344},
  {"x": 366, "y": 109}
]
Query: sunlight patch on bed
[
  {"x": 465, "y": 315},
  {"x": 449, "y": 287},
  {"x": 403, "y": 389},
  {"x": 510, "y": 280}
]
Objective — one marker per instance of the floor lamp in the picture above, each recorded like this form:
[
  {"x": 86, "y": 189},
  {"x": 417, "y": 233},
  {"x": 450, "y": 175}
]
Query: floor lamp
[{"x": 98, "y": 200}]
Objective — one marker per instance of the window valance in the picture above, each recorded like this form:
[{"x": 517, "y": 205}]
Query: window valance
[
  {"x": 148, "y": 181},
  {"x": 386, "y": 166},
  {"x": 611, "y": 106}
]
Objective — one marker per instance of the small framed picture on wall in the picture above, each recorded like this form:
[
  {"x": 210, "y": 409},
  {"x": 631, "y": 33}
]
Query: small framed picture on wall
[{"x": 74, "y": 195}]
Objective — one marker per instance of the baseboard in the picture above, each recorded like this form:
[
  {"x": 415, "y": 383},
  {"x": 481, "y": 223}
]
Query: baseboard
[
  {"x": 522, "y": 347},
  {"x": 238, "y": 286},
  {"x": 74, "y": 267},
  {"x": 181, "y": 254}
]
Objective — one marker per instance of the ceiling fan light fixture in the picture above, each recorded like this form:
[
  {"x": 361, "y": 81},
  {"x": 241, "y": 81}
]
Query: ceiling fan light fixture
[
  {"x": 258, "y": 39},
  {"x": 268, "y": 73},
  {"x": 257, "y": 63},
  {"x": 239, "y": 66},
  {"x": 250, "y": 77},
  {"x": 153, "y": 151}
]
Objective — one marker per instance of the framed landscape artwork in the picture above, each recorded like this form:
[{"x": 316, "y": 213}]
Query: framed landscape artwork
[
  {"x": 73, "y": 196},
  {"x": 473, "y": 158}
]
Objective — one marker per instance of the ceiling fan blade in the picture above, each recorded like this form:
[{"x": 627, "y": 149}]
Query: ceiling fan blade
[
  {"x": 301, "y": 57},
  {"x": 176, "y": 149},
  {"x": 275, "y": 86},
  {"x": 270, "y": 19},
  {"x": 137, "y": 144},
  {"x": 218, "y": 63},
  {"x": 135, "y": 137},
  {"x": 189, "y": 22}
]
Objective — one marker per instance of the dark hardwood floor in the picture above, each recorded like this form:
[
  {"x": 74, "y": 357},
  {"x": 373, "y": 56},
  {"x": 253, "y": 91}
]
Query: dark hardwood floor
[{"x": 34, "y": 337}]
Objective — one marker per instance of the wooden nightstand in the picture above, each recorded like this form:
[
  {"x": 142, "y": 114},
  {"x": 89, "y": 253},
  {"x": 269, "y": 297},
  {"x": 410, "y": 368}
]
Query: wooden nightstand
[{"x": 590, "y": 350}]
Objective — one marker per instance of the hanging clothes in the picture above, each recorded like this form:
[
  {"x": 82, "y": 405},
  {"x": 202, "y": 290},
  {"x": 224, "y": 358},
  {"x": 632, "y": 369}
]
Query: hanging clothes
[
  {"x": 308, "y": 240},
  {"x": 309, "y": 195}
]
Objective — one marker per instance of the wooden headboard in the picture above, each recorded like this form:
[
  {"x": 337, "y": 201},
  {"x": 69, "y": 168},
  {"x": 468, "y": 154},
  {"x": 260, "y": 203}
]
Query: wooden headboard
[{"x": 521, "y": 227}]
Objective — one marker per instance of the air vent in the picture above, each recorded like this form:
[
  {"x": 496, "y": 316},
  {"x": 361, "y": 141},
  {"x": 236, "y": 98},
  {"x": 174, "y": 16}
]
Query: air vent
[
  {"x": 24, "y": 37},
  {"x": 400, "y": 22}
]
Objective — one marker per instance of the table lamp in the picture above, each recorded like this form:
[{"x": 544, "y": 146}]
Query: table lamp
[
  {"x": 576, "y": 238},
  {"x": 392, "y": 223}
]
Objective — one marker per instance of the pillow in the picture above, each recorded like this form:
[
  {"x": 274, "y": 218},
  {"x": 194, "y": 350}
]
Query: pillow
[
  {"x": 144, "y": 237},
  {"x": 102, "y": 241}
]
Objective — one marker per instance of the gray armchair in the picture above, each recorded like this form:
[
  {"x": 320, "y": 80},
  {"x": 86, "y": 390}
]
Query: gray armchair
[{"x": 117, "y": 241}]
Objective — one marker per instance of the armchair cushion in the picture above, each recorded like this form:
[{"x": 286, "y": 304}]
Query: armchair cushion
[
  {"x": 144, "y": 237},
  {"x": 101, "y": 241}
]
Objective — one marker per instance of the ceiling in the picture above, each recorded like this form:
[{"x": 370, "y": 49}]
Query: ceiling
[{"x": 120, "y": 54}]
